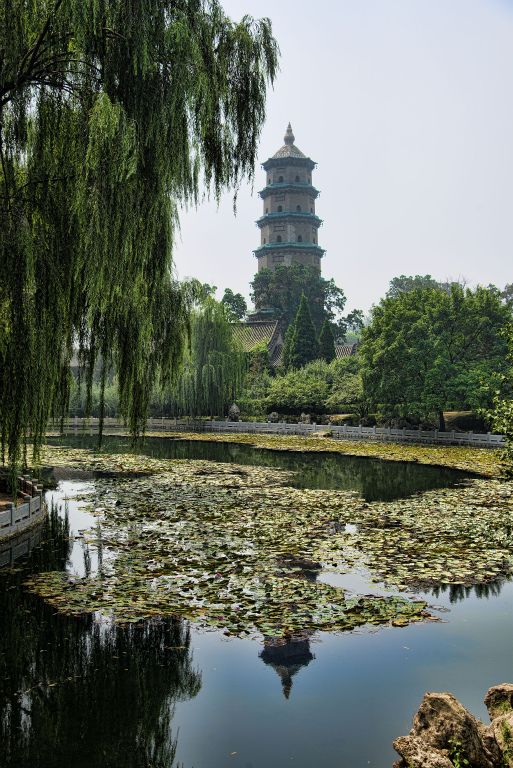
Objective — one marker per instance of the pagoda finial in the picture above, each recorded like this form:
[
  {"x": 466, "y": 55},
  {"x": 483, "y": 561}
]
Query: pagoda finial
[{"x": 289, "y": 136}]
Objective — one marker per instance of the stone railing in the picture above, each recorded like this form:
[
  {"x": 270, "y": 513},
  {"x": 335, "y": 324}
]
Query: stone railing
[
  {"x": 15, "y": 518},
  {"x": 387, "y": 434}
]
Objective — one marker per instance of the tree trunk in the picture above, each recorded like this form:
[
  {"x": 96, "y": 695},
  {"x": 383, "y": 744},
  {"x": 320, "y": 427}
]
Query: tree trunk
[{"x": 441, "y": 421}]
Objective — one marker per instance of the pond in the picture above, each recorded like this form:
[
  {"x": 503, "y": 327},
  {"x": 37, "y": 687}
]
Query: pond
[
  {"x": 83, "y": 692},
  {"x": 373, "y": 479}
]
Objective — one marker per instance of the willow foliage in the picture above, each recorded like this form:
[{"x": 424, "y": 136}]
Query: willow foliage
[
  {"x": 215, "y": 365},
  {"x": 112, "y": 115}
]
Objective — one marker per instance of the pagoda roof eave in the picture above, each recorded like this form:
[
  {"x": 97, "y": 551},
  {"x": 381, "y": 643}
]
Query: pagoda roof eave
[
  {"x": 312, "y": 218},
  {"x": 294, "y": 246},
  {"x": 296, "y": 186},
  {"x": 279, "y": 162}
]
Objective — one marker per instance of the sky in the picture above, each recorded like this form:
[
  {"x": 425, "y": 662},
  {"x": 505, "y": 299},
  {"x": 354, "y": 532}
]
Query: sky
[{"x": 407, "y": 107}]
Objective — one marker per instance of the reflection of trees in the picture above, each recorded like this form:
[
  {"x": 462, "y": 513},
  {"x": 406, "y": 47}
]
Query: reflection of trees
[
  {"x": 373, "y": 479},
  {"x": 458, "y": 592},
  {"x": 79, "y": 693}
]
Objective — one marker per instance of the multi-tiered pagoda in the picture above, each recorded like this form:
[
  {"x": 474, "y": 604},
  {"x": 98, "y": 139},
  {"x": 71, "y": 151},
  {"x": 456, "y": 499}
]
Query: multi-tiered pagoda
[{"x": 289, "y": 226}]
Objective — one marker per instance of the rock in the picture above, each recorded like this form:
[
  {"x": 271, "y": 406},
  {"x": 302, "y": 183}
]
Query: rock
[
  {"x": 500, "y": 732},
  {"x": 234, "y": 412},
  {"x": 443, "y": 723},
  {"x": 415, "y": 753},
  {"x": 499, "y": 699}
]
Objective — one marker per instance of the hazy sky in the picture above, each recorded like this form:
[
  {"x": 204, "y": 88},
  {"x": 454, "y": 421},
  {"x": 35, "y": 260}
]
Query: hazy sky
[{"x": 407, "y": 107}]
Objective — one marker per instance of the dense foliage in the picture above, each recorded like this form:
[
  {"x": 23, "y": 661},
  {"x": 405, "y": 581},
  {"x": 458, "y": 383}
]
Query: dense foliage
[
  {"x": 235, "y": 303},
  {"x": 214, "y": 365},
  {"x": 110, "y": 114},
  {"x": 317, "y": 388},
  {"x": 281, "y": 289},
  {"x": 326, "y": 343},
  {"x": 430, "y": 349},
  {"x": 302, "y": 344},
  {"x": 502, "y": 413}
]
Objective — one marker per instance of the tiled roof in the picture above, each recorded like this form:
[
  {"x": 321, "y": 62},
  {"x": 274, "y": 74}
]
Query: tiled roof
[
  {"x": 288, "y": 150},
  {"x": 345, "y": 350},
  {"x": 252, "y": 333}
]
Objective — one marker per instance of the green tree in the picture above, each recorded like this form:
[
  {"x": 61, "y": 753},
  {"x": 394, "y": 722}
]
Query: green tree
[
  {"x": 304, "y": 346},
  {"x": 281, "y": 289},
  {"x": 346, "y": 388},
  {"x": 304, "y": 389},
  {"x": 110, "y": 115},
  {"x": 430, "y": 350},
  {"x": 214, "y": 366},
  {"x": 236, "y": 303},
  {"x": 406, "y": 283},
  {"x": 326, "y": 343},
  {"x": 502, "y": 413}
]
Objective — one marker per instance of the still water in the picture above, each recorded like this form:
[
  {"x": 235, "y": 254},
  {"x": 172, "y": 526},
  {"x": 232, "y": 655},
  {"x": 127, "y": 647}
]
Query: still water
[
  {"x": 81, "y": 693},
  {"x": 373, "y": 479}
]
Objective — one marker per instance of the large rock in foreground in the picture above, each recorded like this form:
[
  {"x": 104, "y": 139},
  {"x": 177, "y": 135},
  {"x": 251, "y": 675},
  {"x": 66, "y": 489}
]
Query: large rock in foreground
[{"x": 445, "y": 734}]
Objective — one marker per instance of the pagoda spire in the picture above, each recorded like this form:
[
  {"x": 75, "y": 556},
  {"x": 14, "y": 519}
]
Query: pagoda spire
[{"x": 289, "y": 136}]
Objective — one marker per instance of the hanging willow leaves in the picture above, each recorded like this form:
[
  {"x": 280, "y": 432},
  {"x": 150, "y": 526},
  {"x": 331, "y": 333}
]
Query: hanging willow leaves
[
  {"x": 214, "y": 367},
  {"x": 111, "y": 114}
]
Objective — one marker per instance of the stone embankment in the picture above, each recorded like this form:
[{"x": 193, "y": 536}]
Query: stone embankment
[
  {"x": 27, "y": 511},
  {"x": 446, "y": 735}
]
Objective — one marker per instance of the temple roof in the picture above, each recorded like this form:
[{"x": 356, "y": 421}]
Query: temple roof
[
  {"x": 252, "y": 333},
  {"x": 345, "y": 350}
]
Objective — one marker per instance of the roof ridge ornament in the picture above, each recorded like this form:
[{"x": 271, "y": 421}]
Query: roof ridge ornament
[{"x": 289, "y": 136}]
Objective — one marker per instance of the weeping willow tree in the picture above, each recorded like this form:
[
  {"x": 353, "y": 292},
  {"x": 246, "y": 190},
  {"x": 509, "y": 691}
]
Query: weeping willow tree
[
  {"x": 112, "y": 115},
  {"x": 215, "y": 365}
]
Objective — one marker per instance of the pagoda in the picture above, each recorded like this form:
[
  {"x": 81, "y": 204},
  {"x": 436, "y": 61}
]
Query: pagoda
[{"x": 289, "y": 225}]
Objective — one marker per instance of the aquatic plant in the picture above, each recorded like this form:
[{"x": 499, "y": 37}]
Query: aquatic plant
[{"x": 236, "y": 547}]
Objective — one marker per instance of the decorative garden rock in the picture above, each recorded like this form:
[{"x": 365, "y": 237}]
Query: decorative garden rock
[
  {"x": 234, "y": 412},
  {"x": 445, "y": 734}
]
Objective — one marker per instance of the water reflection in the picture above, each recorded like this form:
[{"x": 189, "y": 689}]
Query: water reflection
[
  {"x": 459, "y": 592},
  {"x": 287, "y": 657},
  {"x": 78, "y": 692},
  {"x": 374, "y": 479}
]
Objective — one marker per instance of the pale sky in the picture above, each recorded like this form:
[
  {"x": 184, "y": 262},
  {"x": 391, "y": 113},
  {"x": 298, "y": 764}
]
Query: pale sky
[{"x": 407, "y": 107}]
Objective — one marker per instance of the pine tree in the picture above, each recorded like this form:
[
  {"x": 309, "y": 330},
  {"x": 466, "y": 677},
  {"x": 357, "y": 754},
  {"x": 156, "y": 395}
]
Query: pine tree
[
  {"x": 327, "y": 342},
  {"x": 287, "y": 345},
  {"x": 304, "y": 345}
]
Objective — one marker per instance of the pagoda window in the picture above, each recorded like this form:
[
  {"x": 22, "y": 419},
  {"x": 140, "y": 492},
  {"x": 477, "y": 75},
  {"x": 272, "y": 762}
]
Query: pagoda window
[
  {"x": 280, "y": 208},
  {"x": 278, "y": 239},
  {"x": 311, "y": 210},
  {"x": 265, "y": 241},
  {"x": 298, "y": 208},
  {"x": 267, "y": 210},
  {"x": 297, "y": 178},
  {"x": 280, "y": 179},
  {"x": 299, "y": 239},
  {"x": 269, "y": 181}
]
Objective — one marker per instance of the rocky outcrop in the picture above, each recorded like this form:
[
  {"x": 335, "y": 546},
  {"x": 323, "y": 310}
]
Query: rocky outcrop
[{"x": 445, "y": 734}]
